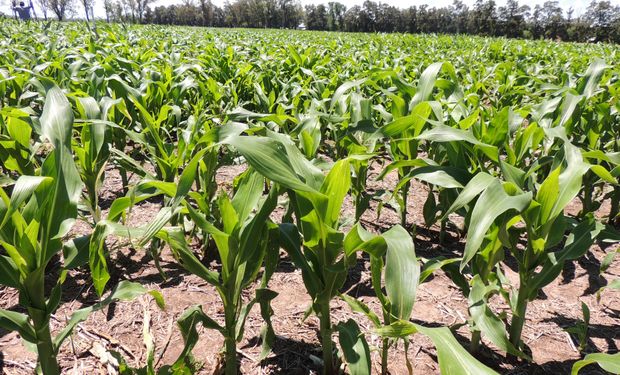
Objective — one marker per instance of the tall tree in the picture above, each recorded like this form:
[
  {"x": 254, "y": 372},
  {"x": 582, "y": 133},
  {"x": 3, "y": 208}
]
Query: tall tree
[
  {"x": 316, "y": 17},
  {"x": 108, "y": 7},
  {"x": 553, "y": 20},
  {"x": 136, "y": 9},
  {"x": 44, "y": 5},
  {"x": 600, "y": 23},
  {"x": 207, "y": 11},
  {"x": 459, "y": 14},
  {"x": 141, "y": 7},
  {"x": 483, "y": 18},
  {"x": 335, "y": 16},
  {"x": 352, "y": 19},
  {"x": 512, "y": 18},
  {"x": 88, "y": 6},
  {"x": 603, "y": 16},
  {"x": 61, "y": 8}
]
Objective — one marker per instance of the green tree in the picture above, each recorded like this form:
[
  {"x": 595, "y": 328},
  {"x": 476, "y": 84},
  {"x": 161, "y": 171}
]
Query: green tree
[
  {"x": 335, "y": 16},
  {"x": 553, "y": 20},
  {"x": 316, "y": 17},
  {"x": 603, "y": 17},
  {"x": 61, "y": 8},
  {"x": 459, "y": 13},
  {"x": 512, "y": 18},
  {"x": 483, "y": 18}
]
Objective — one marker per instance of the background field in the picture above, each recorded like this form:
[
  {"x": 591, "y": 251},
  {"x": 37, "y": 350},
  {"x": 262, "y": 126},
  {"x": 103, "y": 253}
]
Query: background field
[{"x": 158, "y": 93}]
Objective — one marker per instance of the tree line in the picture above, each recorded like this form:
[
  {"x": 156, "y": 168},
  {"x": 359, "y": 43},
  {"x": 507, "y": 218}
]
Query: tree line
[{"x": 601, "y": 21}]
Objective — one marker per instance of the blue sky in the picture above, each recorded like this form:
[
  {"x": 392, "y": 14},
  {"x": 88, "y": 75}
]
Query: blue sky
[{"x": 578, "y": 5}]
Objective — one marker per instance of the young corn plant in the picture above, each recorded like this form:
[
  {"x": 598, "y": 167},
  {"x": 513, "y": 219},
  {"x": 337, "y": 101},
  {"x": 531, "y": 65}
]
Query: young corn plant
[
  {"x": 17, "y": 155},
  {"x": 92, "y": 150},
  {"x": 35, "y": 217},
  {"x": 316, "y": 201},
  {"x": 394, "y": 266},
  {"x": 245, "y": 239},
  {"x": 395, "y": 269},
  {"x": 351, "y": 126},
  {"x": 503, "y": 213},
  {"x": 410, "y": 112}
]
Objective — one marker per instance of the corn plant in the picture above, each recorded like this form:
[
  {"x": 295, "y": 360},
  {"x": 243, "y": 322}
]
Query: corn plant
[
  {"x": 316, "y": 201},
  {"x": 17, "y": 155},
  {"x": 35, "y": 217},
  {"x": 395, "y": 268},
  {"x": 410, "y": 113},
  {"x": 494, "y": 226},
  {"x": 393, "y": 259},
  {"x": 244, "y": 238},
  {"x": 580, "y": 329},
  {"x": 92, "y": 151}
]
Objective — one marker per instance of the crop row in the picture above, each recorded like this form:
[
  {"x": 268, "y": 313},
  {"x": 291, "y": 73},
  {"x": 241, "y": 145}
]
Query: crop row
[{"x": 504, "y": 134}]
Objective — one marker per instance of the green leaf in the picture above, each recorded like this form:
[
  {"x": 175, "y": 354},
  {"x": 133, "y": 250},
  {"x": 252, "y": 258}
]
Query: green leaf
[
  {"x": 590, "y": 81},
  {"x": 335, "y": 187},
  {"x": 614, "y": 284},
  {"x": 97, "y": 257},
  {"x": 402, "y": 272},
  {"x": 453, "y": 358},
  {"x": 269, "y": 158},
  {"x": 604, "y": 174},
  {"x": 434, "y": 264},
  {"x": 443, "y": 133},
  {"x": 57, "y": 125},
  {"x": 264, "y": 297},
  {"x": 57, "y": 118},
  {"x": 360, "y": 307},
  {"x": 24, "y": 187},
  {"x": 548, "y": 195},
  {"x": 513, "y": 174},
  {"x": 9, "y": 274},
  {"x": 492, "y": 203},
  {"x": 415, "y": 121},
  {"x": 344, "y": 88},
  {"x": 354, "y": 347},
  {"x": 441, "y": 176},
  {"x": 360, "y": 239},
  {"x": 18, "y": 322},
  {"x": 176, "y": 240},
  {"x": 479, "y": 183},
  {"x": 608, "y": 362},
  {"x": 568, "y": 183},
  {"x": 577, "y": 244},
  {"x": 427, "y": 82},
  {"x": 486, "y": 321},
  {"x": 398, "y": 329},
  {"x": 249, "y": 191},
  {"x": 187, "y": 323}
]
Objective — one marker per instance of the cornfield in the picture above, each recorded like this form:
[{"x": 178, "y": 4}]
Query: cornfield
[{"x": 188, "y": 200}]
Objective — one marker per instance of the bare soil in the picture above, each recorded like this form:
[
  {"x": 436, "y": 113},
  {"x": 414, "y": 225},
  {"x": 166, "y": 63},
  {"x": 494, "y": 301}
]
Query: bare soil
[{"x": 121, "y": 327}]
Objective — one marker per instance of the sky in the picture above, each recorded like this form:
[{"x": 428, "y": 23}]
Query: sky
[{"x": 578, "y": 5}]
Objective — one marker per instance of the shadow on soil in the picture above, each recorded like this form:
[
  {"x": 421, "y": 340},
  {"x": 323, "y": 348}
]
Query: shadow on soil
[
  {"x": 509, "y": 366},
  {"x": 605, "y": 332},
  {"x": 78, "y": 284},
  {"x": 290, "y": 356},
  {"x": 590, "y": 266}
]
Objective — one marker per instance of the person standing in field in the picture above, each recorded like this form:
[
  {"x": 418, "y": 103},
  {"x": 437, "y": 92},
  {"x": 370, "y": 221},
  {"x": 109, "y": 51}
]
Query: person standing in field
[{"x": 22, "y": 10}]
